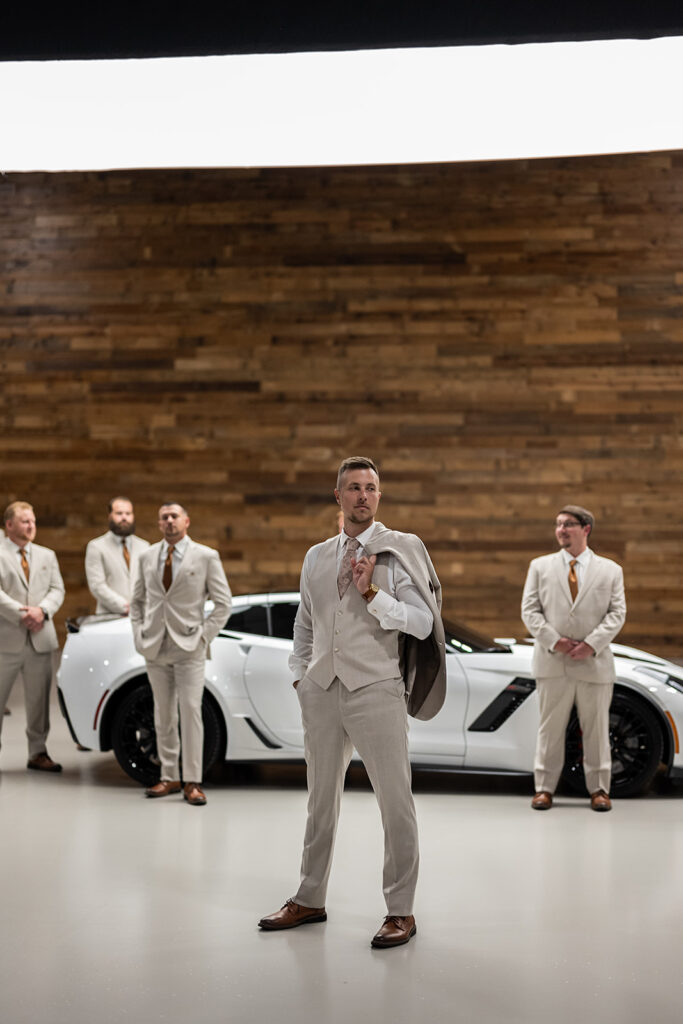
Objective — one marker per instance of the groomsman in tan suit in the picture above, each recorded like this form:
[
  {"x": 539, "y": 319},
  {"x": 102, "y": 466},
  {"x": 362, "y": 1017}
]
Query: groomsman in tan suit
[
  {"x": 175, "y": 579},
  {"x": 362, "y": 591},
  {"x": 111, "y": 560},
  {"x": 31, "y": 591},
  {"x": 574, "y": 605}
]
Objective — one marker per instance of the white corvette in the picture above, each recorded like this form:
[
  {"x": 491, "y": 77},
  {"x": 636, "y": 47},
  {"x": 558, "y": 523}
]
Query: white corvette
[{"x": 251, "y": 711}]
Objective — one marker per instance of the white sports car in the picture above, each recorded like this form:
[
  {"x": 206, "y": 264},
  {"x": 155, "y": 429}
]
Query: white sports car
[{"x": 251, "y": 711}]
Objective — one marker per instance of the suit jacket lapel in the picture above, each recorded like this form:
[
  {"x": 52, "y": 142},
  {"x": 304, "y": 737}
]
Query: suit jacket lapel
[
  {"x": 562, "y": 575},
  {"x": 184, "y": 567},
  {"x": 15, "y": 561},
  {"x": 590, "y": 574}
]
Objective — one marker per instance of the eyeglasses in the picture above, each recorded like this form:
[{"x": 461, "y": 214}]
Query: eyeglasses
[{"x": 567, "y": 523}]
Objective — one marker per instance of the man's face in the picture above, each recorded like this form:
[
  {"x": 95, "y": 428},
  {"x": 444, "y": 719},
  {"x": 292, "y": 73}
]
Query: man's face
[
  {"x": 570, "y": 534},
  {"x": 122, "y": 519},
  {"x": 359, "y": 496},
  {"x": 173, "y": 523},
  {"x": 22, "y": 528}
]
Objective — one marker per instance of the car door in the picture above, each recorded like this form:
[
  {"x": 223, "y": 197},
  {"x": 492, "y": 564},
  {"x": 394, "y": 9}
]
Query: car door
[
  {"x": 441, "y": 740},
  {"x": 268, "y": 679}
]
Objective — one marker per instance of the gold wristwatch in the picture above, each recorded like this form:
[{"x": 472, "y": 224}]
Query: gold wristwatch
[{"x": 370, "y": 592}]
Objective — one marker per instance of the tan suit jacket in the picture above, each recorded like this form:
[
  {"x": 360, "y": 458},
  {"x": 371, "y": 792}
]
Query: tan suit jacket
[
  {"x": 180, "y": 610},
  {"x": 44, "y": 590},
  {"x": 595, "y": 617},
  {"x": 110, "y": 581}
]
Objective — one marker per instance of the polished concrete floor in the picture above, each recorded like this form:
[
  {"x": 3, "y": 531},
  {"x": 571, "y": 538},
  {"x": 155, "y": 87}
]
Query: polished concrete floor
[{"x": 116, "y": 908}]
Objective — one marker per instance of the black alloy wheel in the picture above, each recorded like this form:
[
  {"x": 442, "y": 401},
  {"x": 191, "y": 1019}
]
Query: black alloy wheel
[
  {"x": 134, "y": 738},
  {"x": 637, "y": 747}
]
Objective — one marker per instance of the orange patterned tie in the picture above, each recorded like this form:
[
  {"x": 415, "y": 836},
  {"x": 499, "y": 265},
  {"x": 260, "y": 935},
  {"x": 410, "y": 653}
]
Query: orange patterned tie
[
  {"x": 126, "y": 553},
  {"x": 573, "y": 581},
  {"x": 167, "y": 579},
  {"x": 24, "y": 564},
  {"x": 345, "y": 574}
]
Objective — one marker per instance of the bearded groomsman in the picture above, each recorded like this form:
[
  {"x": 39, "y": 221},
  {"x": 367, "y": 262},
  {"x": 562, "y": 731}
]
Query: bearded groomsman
[
  {"x": 31, "y": 591},
  {"x": 111, "y": 560},
  {"x": 574, "y": 605},
  {"x": 175, "y": 579}
]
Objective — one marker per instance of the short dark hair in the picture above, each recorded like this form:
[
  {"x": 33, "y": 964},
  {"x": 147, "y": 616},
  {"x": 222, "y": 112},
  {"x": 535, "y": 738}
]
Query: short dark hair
[
  {"x": 355, "y": 462},
  {"x": 119, "y": 497},
  {"x": 167, "y": 504},
  {"x": 585, "y": 517}
]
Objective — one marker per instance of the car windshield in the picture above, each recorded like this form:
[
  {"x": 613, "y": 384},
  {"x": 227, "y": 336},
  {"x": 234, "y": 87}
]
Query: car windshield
[{"x": 464, "y": 640}]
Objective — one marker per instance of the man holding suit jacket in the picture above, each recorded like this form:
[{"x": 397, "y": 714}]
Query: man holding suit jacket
[
  {"x": 574, "y": 605},
  {"x": 31, "y": 591},
  {"x": 111, "y": 560},
  {"x": 175, "y": 579}
]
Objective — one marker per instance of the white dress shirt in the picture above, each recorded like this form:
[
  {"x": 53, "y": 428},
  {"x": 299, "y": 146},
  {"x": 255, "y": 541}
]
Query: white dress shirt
[
  {"x": 177, "y": 556},
  {"x": 582, "y": 562}
]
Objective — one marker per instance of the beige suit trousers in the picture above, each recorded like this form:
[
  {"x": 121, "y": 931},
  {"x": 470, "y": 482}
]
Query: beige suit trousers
[
  {"x": 177, "y": 680},
  {"x": 36, "y": 669},
  {"x": 374, "y": 720},
  {"x": 556, "y": 697}
]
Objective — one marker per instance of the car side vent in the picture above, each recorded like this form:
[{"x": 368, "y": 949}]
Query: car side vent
[
  {"x": 264, "y": 739},
  {"x": 504, "y": 705}
]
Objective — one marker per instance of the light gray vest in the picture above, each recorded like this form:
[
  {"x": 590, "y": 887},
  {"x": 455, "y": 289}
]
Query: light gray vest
[{"x": 348, "y": 641}]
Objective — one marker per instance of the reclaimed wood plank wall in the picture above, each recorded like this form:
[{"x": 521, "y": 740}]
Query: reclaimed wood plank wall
[{"x": 501, "y": 337}]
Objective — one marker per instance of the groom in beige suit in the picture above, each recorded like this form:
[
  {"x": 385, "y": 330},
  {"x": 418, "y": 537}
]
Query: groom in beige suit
[
  {"x": 175, "y": 579},
  {"x": 31, "y": 591},
  {"x": 574, "y": 605},
  {"x": 366, "y": 593}
]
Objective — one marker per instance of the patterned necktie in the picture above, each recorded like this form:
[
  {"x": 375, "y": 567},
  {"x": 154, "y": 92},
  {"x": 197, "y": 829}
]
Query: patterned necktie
[
  {"x": 126, "y": 552},
  {"x": 24, "y": 564},
  {"x": 573, "y": 581},
  {"x": 167, "y": 578},
  {"x": 345, "y": 574}
]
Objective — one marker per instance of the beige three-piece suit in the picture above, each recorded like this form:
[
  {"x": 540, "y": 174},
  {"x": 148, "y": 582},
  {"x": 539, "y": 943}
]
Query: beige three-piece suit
[
  {"x": 173, "y": 636},
  {"x": 21, "y": 651},
  {"x": 596, "y": 616},
  {"x": 110, "y": 578},
  {"x": 353, "y": 694}
]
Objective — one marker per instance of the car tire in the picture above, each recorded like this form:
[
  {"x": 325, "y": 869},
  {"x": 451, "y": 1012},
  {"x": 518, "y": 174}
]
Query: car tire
[
  {"x": 133, "y": 736},
  {"x": 637, "y": 746}
]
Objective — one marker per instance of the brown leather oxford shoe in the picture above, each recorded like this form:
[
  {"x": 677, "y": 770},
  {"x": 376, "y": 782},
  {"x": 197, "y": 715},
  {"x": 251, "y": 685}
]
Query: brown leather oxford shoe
[
  {"x": 163, "y": 788},
  {"x": 395, "y": 931},
  {"x": 194, "y": 794},
  {"x": 291, "y": 916},
  {"x": 542, "y": 801},
  {"x": 43, "y": 763},
  {"x": 600, "y": 801}
]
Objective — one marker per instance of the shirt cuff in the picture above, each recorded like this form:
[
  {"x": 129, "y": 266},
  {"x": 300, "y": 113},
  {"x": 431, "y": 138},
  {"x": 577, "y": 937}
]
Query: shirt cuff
[{"x": 381, "y": 604}]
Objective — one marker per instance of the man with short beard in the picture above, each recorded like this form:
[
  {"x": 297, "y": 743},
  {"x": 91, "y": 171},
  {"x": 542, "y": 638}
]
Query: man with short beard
[{"x": 111, "y": 560}]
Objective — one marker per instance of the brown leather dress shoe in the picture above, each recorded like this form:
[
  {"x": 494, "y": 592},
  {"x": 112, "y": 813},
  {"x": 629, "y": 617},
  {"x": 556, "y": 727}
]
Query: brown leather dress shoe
[
  {"x": 194, "y": 794},
  {"x": 542, "y": 801},
  {"x": 395, "y": 931},
  {"x": 291, "y": 916},
  {"x": 43, "y": 763},
  {"x": 600, "y": 801},
  {"x": 163, "y": 788}
]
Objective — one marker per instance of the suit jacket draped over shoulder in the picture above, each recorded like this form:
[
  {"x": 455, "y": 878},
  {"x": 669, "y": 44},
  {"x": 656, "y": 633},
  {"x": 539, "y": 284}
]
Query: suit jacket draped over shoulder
[{"x": 423, "y": 662}]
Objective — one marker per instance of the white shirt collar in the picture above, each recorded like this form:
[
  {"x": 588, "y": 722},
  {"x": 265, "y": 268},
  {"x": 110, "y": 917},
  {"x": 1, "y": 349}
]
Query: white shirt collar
[
  {"x": 27, "y": 547},
  {"x": 362, "y": 538},
  {"x": 583, "y": 559},
  {"x": 180, "y": 547}
]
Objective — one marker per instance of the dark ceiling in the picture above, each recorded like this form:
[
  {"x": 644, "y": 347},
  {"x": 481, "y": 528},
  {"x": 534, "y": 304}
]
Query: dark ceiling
[{"x": 153, "y": 29}]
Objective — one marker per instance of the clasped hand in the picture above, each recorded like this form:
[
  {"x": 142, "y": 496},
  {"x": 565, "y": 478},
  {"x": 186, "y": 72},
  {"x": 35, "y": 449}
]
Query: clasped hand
[
  {"x": 577, "y": 650},
  {"x": 33, "y": 619}
]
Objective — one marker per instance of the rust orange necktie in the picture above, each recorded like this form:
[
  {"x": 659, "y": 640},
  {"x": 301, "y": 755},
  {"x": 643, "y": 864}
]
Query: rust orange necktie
[
  {"x": 24, "y": 565},
  {"x": 126, "y": 553},
  {"x": 573, "y": 581},
  {"x": 167, "y": 578}
]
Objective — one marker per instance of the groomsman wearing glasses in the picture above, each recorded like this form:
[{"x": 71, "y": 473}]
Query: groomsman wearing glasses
[{"x": 574, "y": 605}]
